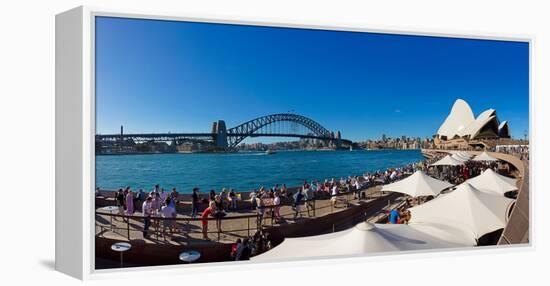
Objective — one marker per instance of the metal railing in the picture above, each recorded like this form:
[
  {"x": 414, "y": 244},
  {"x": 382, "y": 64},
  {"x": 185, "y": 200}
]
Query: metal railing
[{"x": 254, "y": 222}]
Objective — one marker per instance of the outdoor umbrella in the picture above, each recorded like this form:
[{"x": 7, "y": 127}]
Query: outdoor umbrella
[
  {"x": 485, "y": 157},
  {"x": 493, "y": 182},
  {"x": 459, "y": 158},
  {"x": 464, "y": 154},
  {"x": 447, "y": 161},
  {"x": 417, "y": 185},
  {"x": 362, "y": 239},
  {"x": 467, "y": 208}
]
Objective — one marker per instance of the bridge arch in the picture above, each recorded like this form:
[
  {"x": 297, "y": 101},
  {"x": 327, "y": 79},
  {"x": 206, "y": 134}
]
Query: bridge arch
[{"x": 240, "y": 132}]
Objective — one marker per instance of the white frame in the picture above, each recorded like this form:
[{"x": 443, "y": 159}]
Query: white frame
[{"x": 75, "y": 242}]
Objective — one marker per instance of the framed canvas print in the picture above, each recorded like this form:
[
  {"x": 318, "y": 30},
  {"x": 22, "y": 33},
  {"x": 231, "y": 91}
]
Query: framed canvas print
[{"x": 188, "y": 142}]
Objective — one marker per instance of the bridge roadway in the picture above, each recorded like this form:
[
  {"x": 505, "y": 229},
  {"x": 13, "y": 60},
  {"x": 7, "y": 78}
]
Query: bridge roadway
[
  {"x": 205, "y": 136},
  {"x": 272, "y": 125}
]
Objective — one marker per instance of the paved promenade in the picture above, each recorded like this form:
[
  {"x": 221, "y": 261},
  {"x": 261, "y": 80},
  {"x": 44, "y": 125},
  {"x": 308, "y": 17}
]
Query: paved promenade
[{"x": 238, "y": 224}]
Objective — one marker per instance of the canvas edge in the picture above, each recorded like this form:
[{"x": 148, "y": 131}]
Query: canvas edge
[
  {"x": 86, "y": 136},
  {"x": 69, "y": 237}
]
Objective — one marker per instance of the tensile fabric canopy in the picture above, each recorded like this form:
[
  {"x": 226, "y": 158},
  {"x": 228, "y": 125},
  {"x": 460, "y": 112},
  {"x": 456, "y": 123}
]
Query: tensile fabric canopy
[
  {"x": 365, "y": 238},
  {"x": 474, "y": 211},
  {"x": 448, "y": 161},
  {"x": 417, "y": 185},
  {"x": 490, "y": 181},
  {"x": 485, "y": 157}
]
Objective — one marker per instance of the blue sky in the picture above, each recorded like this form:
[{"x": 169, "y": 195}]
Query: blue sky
[{"x": 160, "y": 76}]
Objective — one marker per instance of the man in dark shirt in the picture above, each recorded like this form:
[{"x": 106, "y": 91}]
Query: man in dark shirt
[
  {"x": 243, "y": 253},
  {"x": 195, "y": 202},
  {"x": 120, "y": 200}
]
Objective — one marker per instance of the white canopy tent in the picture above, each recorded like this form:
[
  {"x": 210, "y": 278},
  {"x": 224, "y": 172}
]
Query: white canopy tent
[
  {"x": 459, "y": 158},
  {"x": 485, "y": 157},
  {"x": 474, "y": 211},
  {"x": 461, "y": 154},
  {"x": 447, "y": 161},
  {"x": 492, "y": 182},
  {"x": 367, "y": 238},
  {"x": 417, "y": 185},
  {"x": 465, "y": 154}
]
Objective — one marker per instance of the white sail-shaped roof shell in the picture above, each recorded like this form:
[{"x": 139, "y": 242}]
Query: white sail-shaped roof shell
[
  {"x": 461, "y": 122},
  {"x": 504, "y": 129},
  {"x": 486, "y": 117},
  {"x": 458, "y": 120}
]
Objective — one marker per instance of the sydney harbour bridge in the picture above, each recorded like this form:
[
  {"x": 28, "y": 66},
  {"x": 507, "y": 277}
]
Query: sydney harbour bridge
[{"x": 273, "y": 125}]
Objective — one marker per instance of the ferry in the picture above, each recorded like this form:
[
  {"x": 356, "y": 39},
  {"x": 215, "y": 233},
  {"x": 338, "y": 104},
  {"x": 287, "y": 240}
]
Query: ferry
[{"x": 270, "y": 152}]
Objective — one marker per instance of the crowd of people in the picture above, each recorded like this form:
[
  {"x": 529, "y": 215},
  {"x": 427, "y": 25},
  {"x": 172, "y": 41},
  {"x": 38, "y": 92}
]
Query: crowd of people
[
  {"x": 243, "y": 249},
  {"x": 159, "y": 203},
  {"x": 521, "y": 151},
  {"x": 265, "y": 202},
  {"x": 469, "y": 169}
]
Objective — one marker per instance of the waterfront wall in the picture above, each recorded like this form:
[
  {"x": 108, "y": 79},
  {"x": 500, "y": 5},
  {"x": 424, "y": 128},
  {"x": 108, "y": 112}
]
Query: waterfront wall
[{"x": 154, "y": 254}]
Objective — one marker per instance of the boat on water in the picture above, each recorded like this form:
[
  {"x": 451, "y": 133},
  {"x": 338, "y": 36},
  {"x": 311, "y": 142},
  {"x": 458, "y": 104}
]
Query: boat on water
[{"x": 270, "y": 152}]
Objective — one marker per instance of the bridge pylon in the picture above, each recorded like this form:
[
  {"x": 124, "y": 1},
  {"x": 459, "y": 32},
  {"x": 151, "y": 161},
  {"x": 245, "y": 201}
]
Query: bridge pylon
[{"x": 219, "y": 133}]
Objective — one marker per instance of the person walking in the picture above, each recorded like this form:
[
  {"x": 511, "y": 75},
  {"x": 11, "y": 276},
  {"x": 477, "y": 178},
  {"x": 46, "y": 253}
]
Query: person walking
[
  {"x": 147, "y": 209},
  {"x": 298, "y": 197},
  {"x": 309, "y": 198},
  {"x": 130, "y": 203},
  {"x": 121, "y": 202},
  {"x": 219, "y": 212},
  {"x": 168, "y": 212},
  {"x": 277, "y": 209},
  {"x": 260, "y": 207},
  {"x": 195, "y": 202},
  {"x": 232, "y": 199}
]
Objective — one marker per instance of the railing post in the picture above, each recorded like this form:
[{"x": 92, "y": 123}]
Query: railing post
[
  {"x": 187, "y": 231},
  {"x": 248, "y": 227},
  {"x": 314, "y": 207},
  {"x": 128, "y": 227}
]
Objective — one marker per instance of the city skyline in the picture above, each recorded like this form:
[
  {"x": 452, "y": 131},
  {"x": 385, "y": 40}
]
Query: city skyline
[{"x": 167, "y": 76}]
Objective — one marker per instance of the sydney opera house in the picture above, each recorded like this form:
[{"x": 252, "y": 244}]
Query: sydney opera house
[{"x": 461, "y": 128}]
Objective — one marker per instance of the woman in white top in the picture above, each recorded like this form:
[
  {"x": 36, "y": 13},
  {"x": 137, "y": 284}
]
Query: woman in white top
[
  {"x": 277, "y": 204},
  {"x": 333, "y": 194},
  {"x": 167, "y": 212}
]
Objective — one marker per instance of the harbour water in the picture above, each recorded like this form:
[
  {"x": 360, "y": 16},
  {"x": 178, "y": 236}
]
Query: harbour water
[{"x": 242, "y": 171}]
